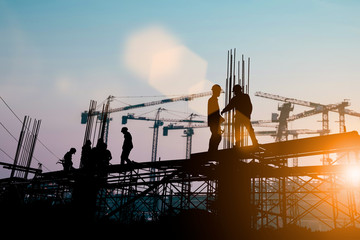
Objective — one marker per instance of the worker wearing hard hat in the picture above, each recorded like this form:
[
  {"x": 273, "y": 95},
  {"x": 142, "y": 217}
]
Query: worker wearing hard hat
[
  {"x": 242, "y": 104},
  {"x": 214, "y": 118}
]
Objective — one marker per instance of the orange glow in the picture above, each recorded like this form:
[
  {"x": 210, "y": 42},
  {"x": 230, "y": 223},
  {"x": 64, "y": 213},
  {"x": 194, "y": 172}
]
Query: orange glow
[{"x": 353, "y": 176}]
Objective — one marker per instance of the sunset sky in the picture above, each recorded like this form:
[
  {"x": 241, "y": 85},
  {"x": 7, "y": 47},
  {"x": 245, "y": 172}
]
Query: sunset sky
[{"x": 56, "y": 56}]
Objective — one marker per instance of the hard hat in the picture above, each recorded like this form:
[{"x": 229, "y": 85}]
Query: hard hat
[
  {"x": 216, "y": 87},
  {"x": 237, "y": 88}
]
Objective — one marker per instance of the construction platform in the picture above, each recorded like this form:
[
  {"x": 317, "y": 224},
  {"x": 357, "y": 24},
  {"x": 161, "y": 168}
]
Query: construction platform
[{"x": 246, "y": 188}]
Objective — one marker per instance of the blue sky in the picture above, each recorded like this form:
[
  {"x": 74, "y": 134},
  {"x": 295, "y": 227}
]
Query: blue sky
[{"x": 57, "y": 55}]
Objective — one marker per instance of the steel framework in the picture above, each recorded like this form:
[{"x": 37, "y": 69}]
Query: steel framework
[{"x": 278, "y": 195}]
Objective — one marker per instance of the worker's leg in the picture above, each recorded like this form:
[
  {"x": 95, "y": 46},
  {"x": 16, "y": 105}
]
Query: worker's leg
[
  {"x": 127, "y": 159},
  {"x": 124, "y": 156},
  {"x": 250, "y": 130},
  {"x": 215, "y": 138},
  {"x": 237, "y": 124}
]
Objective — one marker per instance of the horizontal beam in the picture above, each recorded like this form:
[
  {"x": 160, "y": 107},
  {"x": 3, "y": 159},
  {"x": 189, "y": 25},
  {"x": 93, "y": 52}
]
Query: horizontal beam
[
  {"x": 312, "y": 146},
  {"x": 287, "y": 149},
  {"x": 270, "y": 153},
  {"x": 260, "y": 170},
  {"x": 20, "y": 168}
]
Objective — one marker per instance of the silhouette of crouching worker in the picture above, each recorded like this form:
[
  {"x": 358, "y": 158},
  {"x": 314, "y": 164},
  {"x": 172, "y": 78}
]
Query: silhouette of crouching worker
[
  {"x": 214, "y": 118},
  {"x": 67, "y": 161},
  {"x": 127, "y": 146}
]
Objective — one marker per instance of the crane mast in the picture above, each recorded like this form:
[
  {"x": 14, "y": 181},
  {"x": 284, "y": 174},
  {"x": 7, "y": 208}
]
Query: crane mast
[{"x": 157, "y": 124}]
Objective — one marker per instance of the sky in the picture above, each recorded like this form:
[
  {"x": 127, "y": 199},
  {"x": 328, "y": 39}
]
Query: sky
[{"x": 56, "y": 56}]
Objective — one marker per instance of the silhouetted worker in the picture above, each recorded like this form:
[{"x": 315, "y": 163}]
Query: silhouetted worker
[
  {"x": 99, "y": 153},
  {"x": 104, "y": 156},
  {"x": 214, "y": 118},
  {"x": 85, "y": 154},
  {"x": 94, "y": 156},
  {"x": 67, "y": 162},
  {"x": 103, "y": 161},
  {"x": 243, "y": 107},
  {"x": 127, "y": 146},
  {"x": 107, "y": 155}
]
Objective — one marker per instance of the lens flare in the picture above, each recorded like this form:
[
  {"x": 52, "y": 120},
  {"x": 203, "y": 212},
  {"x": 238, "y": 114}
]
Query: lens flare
[
  {"x": 353, "y": 176},
  {"x": 159, "y": 59}
]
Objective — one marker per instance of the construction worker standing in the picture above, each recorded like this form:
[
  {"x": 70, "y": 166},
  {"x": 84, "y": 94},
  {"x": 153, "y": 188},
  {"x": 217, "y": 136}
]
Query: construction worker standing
[
  {"x": 127, "y": 146},
  {"x": 214, "y": 118},
  {"x": 242, "y": 104}
]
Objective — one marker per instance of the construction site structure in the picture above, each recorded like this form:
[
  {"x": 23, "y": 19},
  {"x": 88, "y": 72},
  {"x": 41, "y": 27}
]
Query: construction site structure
[
  {"x": 87, "y": 117},
  {"x": 316, "y": 108},
  {"x": 188, "y": 130},
  {"x": 158, "y": 122},
  {"x": 232, "y": 191},
  {"x": 25, "y": 149},
  {"x": 239, "y": 186}
]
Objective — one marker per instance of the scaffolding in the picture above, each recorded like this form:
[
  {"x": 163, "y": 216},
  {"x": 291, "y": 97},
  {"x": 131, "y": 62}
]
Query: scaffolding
[{"x": 244, "y": 182}]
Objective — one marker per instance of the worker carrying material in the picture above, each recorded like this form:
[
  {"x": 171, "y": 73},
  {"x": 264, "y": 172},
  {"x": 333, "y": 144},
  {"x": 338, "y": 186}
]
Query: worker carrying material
[
  {"x": 214, "y": 118},
  {"x": 243, "y": 107}
]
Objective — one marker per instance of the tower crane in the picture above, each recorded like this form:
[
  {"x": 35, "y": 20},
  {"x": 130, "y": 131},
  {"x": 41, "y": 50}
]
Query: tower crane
[
  {"x": 293, "y": 132},
  {"x": 104, "y": 116},
  {"x": 188, "y": 131},
  {"x": 316, "y": 108},
  {"x": 157, "y": 123}
]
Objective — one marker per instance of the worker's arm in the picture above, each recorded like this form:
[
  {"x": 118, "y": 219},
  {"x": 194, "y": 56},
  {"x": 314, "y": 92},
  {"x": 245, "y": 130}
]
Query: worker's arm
[{"x": 230, "y": 106}]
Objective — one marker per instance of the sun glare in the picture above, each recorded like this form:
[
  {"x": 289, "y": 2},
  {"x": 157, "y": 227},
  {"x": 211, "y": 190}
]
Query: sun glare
[{"x": 353, "y": 176}]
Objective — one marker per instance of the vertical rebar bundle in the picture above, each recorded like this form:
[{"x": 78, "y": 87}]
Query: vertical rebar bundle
[
  {"x": 25, "y": 148},
  {"x": 243, "y": 73},
  {"x": 90, "y": 121}
]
